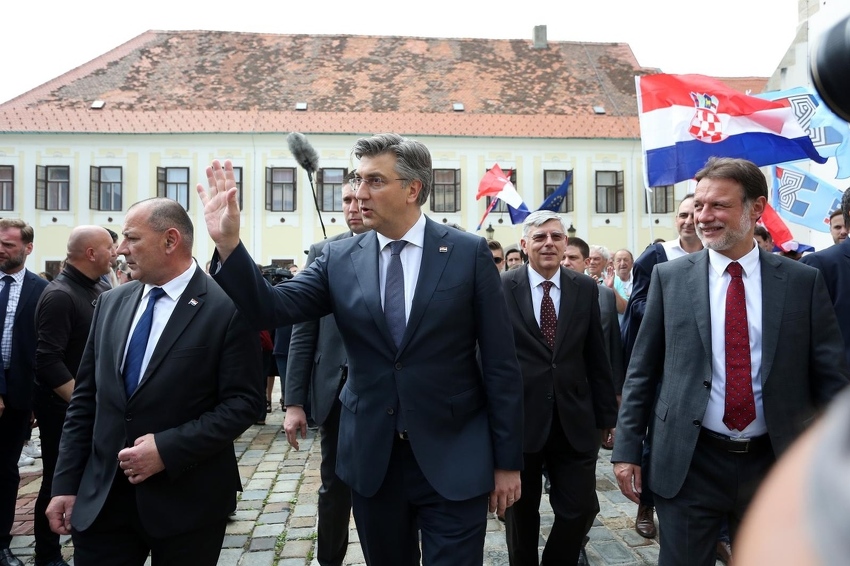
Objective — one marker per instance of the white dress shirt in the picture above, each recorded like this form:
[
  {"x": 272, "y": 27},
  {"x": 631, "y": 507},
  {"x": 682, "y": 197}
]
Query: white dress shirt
[
  {"x": 718, "y": 283},
  {"x": 535, "y": 280},
  {"x": 411, "y": 259},
  {"x": 11, "y": 310},
  {"x": 161, "y": 313}
]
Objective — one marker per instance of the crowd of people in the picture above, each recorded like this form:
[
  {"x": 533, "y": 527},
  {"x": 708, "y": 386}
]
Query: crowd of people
[{"x": 449, "y": 376}]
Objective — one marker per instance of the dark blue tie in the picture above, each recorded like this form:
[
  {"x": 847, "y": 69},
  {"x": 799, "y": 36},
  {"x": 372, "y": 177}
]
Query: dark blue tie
[
  {"x": 4, "y": 304},
  {"x": 139, "y": 343},
  {"x": 394, "y": 293}
]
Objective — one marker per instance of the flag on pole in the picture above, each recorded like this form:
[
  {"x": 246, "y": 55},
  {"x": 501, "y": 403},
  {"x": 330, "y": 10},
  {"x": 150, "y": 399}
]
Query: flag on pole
[
  {"x": 686, "y": 119},
  {"x": 553, "y": 201},
  {"x": 829, "y": 133},
  {"x": 802, "y": 198},
  {"x": 496, "y": 185}
]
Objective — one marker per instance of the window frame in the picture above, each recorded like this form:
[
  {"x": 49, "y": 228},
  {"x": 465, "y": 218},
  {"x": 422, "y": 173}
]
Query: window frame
[
  {"x": 669, "y": 200},
  {"x": 568, "y": 204},
  {"x": 502, "y": 207},
  {"x": 335, "y": 189},
  {"x": 613, "y": 194},
  {"x": 440, "y": 191},
  {"x": 96, "y": 183},
  {"x": 7, "y": 188},
  {"x": 43, "y": 187},
  {"x": 270, "y": 186},
  {"x": 163, "y": 184}
]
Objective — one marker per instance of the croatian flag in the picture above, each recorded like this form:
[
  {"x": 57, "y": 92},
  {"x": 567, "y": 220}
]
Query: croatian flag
[
  {"x": 686, "y": 119},
  {"x": 497, "y": 185},
  {"x": 804, "y": 199}
]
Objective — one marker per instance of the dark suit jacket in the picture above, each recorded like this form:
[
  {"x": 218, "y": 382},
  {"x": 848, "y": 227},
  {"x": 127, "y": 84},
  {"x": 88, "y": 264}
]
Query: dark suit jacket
[
  {"x": 576, "y": 375},
  {"x": 17, "y": 383},
  {"x": 611, "y": 335},
  {"x": 641, "y": 275},
  {"x": 197, "y": 395},
  {"x": 463, "y": 420},
  {"x": 317, "y": 357},
  {"x": 802, "y": 366},
  {"x": 834, "y": 264}
]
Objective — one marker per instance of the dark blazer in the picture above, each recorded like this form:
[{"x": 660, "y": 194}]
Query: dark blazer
[
  {"x": 17, "y": 383},
  {"x": 834, "y": 264},
  {"x": 196, "y": 396},
  {"x": 611, "y": 335},
  {"x": 463, "y": 420},
  {"x": 317, "y": 357},
  {"x": 641, "y": 275},
  {"x": 802, "y": 366},
  {"x": 576, "y": 375}
]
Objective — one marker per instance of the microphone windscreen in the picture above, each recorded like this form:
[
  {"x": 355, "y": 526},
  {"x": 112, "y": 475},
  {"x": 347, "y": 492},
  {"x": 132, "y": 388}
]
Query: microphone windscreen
[{"x": 303, "y": 152}]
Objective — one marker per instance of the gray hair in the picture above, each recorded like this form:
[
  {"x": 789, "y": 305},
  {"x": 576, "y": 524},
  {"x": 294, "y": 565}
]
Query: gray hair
[
  {"x": 603, "y": 251},
  {"x": 539, "y": 218},
  {"x": 413, "y": 160}
]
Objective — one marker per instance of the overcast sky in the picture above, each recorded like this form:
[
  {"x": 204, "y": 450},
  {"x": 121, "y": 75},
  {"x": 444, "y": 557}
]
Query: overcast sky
[{"x": 42, "y": 40}]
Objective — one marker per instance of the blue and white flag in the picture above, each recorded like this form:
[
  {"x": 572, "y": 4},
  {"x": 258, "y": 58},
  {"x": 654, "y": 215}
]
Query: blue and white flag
[
  {"x": 802, "y": 198},
  {"x": 829, "y": 134}
]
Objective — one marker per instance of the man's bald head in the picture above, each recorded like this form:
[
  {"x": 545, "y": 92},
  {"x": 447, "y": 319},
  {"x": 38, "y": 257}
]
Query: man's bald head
[{"x": 90, "y": 250}]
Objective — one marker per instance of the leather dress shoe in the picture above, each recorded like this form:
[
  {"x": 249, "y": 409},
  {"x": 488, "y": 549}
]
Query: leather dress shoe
[
  {"x": 724, "y": 552},
  {"x": 582, "y": 558},
  {"x": 54, "y": 562},
  {"x": 9, "y": 559},
  {"x": 645, "y": 521}
]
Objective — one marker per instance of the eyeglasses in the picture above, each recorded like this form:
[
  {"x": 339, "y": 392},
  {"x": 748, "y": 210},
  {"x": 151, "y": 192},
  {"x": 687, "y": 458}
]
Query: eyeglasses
[
  {"x": 498, "y": 259},
  {"x": 541, "y": 237},
  {"x": 373, "y": 182}
]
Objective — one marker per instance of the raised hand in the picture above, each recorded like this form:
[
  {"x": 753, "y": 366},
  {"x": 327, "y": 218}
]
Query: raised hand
[{"x": 221, "y": 211}]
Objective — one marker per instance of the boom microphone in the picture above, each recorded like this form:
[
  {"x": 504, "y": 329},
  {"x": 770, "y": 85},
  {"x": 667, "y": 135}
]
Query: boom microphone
[
  {"x": 308, "y": 159},
  {"x": 303, "y": 153}
]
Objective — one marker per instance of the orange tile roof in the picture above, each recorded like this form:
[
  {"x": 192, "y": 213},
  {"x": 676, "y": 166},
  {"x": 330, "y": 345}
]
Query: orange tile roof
[{"x": 206, "y": 81}]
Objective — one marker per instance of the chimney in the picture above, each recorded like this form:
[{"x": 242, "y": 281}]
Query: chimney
[{"x": 539, "y": 38}]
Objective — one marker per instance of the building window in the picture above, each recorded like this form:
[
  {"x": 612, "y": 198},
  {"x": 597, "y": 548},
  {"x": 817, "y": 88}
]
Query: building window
[
  {"x": 610, "y": 198},
  {"x": 280, "y": 189},
  {"x": 173, "y": 183},
  {"x": 237, "y": 176},
  {"x": 662, "y": 200},
  {"x": 502, "y": 207},
  {"x": 552, "y": 181},
  {"x": 330, "y": 183},
  {"x": 7, "y": 187},
  {"x": 52, "y": 187},
  {"x": 105, "y": 188},
  {"x": 445, "y": 193}
]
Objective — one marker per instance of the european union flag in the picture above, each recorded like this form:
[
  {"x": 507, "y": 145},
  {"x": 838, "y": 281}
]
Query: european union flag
[
  {"x": 553, "y": 201},
  {"x": 804, "y": 199}
]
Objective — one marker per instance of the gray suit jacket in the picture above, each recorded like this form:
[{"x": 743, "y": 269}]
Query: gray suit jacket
[
  {"x": 802, "y": 368},
  {"x": 317, "y": 356}
]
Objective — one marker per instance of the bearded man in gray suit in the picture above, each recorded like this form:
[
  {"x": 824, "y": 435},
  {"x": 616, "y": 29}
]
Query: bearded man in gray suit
[{"x": 740, "y": 373}]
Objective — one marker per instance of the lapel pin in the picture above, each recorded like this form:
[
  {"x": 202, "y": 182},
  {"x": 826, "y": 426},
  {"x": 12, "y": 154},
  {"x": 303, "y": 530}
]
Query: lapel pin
[
  {"x": 193, "y": 303},
  {"x": 444, "y": 249}
]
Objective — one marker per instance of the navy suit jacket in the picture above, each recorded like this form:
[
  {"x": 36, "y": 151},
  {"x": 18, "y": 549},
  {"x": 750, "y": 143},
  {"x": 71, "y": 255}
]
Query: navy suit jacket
[
  {"x": 17, "y": 383},
  {"x": 462, "y": 419},
  {"x": 641, "y": 276},
  {"x": 834, "y": 264}
]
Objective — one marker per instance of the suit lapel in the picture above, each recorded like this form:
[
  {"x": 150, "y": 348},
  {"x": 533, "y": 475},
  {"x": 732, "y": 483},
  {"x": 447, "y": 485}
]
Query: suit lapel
[
  {"x": 430, "y": 270},
  {"x": 774, "y": 287},
  {"x": 365, "y": 265},
  {"x": 521, "y": 291},
  {"x": 568, "y": 305},
  {"x": 697, "y": 289},
  {"x": 188, "y": 305}
]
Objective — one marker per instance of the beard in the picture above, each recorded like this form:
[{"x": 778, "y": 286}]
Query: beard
[
  {"x": 730, "y": 237},
  {"x": 13, "y": 262}
]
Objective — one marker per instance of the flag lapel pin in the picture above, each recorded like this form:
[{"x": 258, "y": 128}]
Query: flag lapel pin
[
  {"x": 444, "y": 249},
  {"x": 193, "y": 302}
]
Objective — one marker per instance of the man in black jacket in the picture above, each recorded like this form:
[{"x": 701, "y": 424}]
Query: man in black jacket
[{"x": 63, "y": 317}]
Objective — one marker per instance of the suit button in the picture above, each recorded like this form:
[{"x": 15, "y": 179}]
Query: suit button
[
  {"x": 697, "y": 422},
  {"x": 128, "y": 417},
  {"x": 554, "y": 366},
  {"x": 549, "y": 396},
  {"x": 398, "y": 366},
  {"x": 390, "y": 411},
  {"x": 706, "y": 384}
]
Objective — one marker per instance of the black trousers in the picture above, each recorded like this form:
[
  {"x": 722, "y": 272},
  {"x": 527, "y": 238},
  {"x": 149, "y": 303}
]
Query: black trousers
[
  {"x": 719, "y": 486},
  {"x": 49, "y": 410},
  {"x": 118, "y": 538},
  {"x": 334, "y": 497},
  {"x": 452, "y": 531},
  {"x": 572, "y": 475},
  {"x": 13, "y": 427}
]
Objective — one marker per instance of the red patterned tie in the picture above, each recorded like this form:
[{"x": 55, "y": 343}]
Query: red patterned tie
[
  {"x": 548, "y": 319},
  {"x": 740, "y": 407}
]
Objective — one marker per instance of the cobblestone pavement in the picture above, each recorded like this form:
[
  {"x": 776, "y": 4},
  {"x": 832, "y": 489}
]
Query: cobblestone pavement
[{"x": 275, "y": 522}]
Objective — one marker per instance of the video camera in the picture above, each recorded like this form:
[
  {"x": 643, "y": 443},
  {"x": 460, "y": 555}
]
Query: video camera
[{"x": 276, "y": 275}]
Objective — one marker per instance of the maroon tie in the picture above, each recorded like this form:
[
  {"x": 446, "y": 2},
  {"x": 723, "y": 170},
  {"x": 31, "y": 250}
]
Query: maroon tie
[
  {"x": 740, "y": 407},
  {"x": 548, "y": 319}
]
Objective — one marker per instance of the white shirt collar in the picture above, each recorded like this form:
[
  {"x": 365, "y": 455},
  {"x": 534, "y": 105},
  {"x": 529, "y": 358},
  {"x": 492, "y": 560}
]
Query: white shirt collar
[
  {"x": 176, "y": 286},
  {"x": 535, "y": 279},
  {"x": 415, "y": 236},
  {"x": 749, "y": 263}
]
